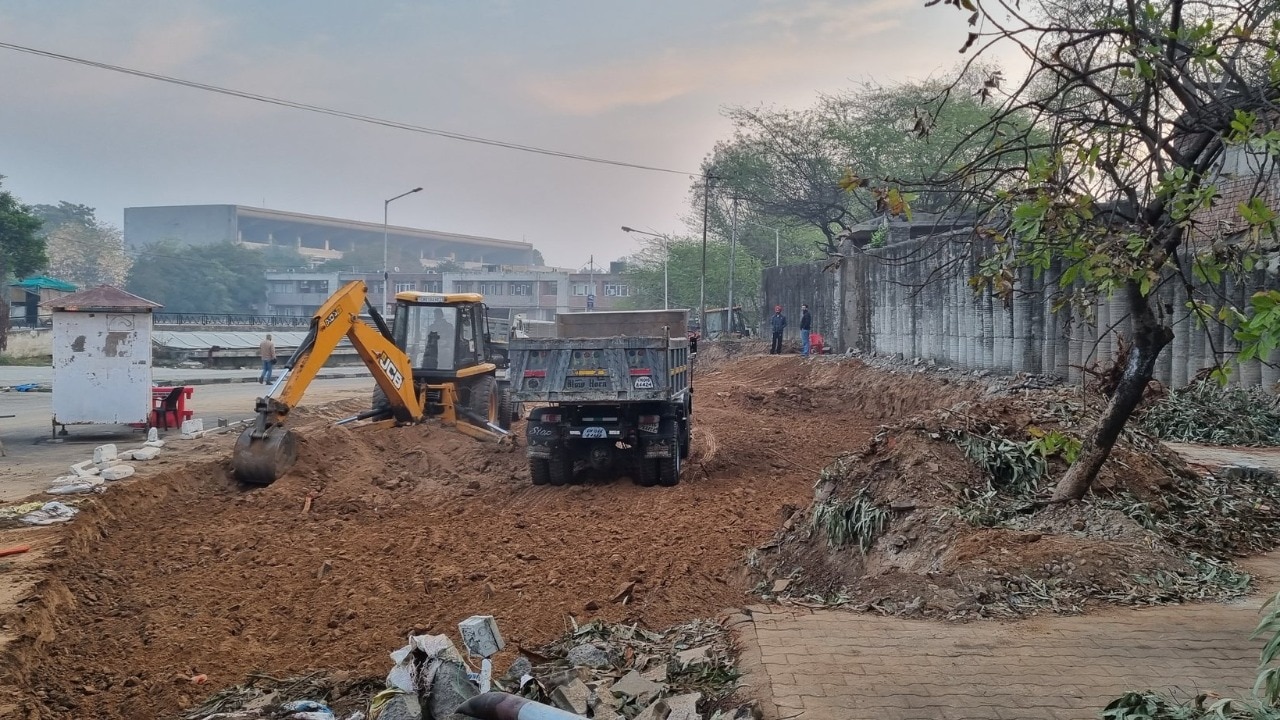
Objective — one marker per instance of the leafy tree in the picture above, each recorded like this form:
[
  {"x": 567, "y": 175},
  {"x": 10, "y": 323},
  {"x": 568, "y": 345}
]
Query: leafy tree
[
  {"x": 220, "y": 278},
  {"x": 785, "y": 166},
  {"x": 82, "y": 249},
  {"x": 684, "y": 275},
  {"x": 22, "y": 250},
  {"x": 1144, "y": 110}
]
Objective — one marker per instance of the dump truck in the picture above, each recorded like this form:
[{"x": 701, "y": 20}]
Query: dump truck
[{"x": 613, "y": 392}]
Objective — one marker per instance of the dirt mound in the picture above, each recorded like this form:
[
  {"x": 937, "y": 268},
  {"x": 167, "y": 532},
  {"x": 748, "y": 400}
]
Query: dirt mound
[
  {"x": 946, "y": 515},
  {"x": 184, "y": 572}
]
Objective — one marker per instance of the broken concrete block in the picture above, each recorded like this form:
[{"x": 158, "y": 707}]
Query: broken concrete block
[
  {"x": 119, "y": 472},
  {"x": 74, "y": 485},
  {"x": 657, "y": 674},
  {"x": 656, "y": 711},
  {"x": 144, "y": 453},
  {"x": 84, "y": 469},
  {"x": 154, "y": 443},
  {"x": 780, "y": 586},
  {"x": 684, "y": 707},
  {"x": 191, "y": 427},
  {"x": 108, "y": 463},
  {"x": 693, "y": 656},
  {"x": 635, "y": 685},
  {"x": 153, "y": 435},
  {"x": 589, "y": 655},
  {"x": 104, "y": 453},
  {"x": 572, "y": 697}
]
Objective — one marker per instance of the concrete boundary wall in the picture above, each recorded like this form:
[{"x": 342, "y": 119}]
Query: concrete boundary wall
[{"x": 913, "y": 300}]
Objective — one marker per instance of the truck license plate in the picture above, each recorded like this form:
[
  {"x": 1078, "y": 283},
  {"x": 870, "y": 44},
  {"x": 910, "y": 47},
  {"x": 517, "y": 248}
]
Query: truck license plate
[{"x": 594, "y": 433}]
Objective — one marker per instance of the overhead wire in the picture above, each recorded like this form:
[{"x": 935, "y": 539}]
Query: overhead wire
[{"x": 283, "y": 102}]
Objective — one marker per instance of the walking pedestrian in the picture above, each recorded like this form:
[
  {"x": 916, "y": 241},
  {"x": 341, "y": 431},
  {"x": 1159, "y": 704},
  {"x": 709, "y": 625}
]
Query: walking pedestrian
[
  {"x": 777, "y": 323},
  {"x": 267, "y": 351},
  {"x": 806, "y": 327}
]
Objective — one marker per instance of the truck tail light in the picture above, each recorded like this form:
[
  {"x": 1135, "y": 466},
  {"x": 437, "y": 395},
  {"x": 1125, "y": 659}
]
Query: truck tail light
[
  {"x": 535, "y": 373},
  {"x": 640, "y": 371},
  {"x": 649, "y": 419},
  {"x": 550, "y": 418}
]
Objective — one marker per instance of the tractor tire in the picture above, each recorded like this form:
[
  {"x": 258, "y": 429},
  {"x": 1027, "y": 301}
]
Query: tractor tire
[
  {"x": 539, "y": 471},
  {"x": 506, "y": 414},
  {"x": 381, "y": 403},
  {"x": 669, "y": 467},
  {"x": 560, "y": 469},
  {"x": 485, "y": 400}
]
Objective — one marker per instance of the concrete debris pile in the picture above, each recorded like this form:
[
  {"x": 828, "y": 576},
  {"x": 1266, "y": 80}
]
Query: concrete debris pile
[
  {"x": 612, "y": 672},
  {"x": 108, "y": 464},
  {"x": 623, "y": 672}
]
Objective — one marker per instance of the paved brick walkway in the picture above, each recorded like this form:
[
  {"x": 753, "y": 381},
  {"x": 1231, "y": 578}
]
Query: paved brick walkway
[{"x": 839, "y": 665}]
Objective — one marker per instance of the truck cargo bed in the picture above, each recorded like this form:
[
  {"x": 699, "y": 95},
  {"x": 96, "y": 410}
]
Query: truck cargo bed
[{"x": 599, "y": 370}]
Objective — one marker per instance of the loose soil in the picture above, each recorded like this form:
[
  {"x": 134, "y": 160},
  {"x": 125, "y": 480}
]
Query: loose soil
[{"x": 184, "y": 572}]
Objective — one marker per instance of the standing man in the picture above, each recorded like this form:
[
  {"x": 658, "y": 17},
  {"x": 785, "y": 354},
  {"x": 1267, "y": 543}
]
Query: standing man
[
  {"x": 777, "y": 323},
  {"x": 267, "y": 351},
  {"x": 806, "y": 326}
]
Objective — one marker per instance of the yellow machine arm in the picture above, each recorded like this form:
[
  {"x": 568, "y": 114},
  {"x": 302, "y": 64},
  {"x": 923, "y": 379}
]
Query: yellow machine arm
[{"x": 266, "y": 450}]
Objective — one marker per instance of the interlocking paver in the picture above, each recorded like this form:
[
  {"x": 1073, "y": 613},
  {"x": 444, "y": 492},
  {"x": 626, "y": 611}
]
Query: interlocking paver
[{"x": 835, "y": 665}]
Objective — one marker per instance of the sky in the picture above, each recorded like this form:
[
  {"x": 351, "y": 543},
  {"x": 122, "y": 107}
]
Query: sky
[{"x": 638, "y": 82}]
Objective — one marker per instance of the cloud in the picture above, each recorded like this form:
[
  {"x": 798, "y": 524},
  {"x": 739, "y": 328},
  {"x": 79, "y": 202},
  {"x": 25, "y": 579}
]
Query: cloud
[{"x": 774, "y": 44}]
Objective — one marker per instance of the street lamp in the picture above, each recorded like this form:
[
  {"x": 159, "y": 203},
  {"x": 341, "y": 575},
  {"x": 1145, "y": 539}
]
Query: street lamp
[
  {"x": 386, "y": 276},
  {"x": 777, "y": 245},
  {"x": 666, "y": 256}
]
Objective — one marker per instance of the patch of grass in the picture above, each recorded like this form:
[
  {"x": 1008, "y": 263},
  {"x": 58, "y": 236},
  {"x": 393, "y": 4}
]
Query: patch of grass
[
  {"x": 858, "y": 521},
  {"x": 37, "y": 361},
  {"x": 1205, "y": 412}
]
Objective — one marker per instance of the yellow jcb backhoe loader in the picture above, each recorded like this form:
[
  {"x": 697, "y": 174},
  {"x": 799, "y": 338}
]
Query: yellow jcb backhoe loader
[{"x": 454, "y": 377}]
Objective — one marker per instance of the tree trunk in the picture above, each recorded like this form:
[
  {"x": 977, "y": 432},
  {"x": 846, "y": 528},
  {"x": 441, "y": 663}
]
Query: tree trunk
[{"x": 1150, "y": 338}]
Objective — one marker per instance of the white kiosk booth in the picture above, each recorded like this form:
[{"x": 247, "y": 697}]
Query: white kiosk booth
[{"x": 101, "y": 358}]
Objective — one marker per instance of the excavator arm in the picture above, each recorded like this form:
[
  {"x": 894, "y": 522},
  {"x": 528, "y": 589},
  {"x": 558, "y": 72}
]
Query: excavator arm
[{"x": 267, "y": 449}]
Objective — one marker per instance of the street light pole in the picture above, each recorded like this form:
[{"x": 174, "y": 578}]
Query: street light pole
[
  {"x": 702, "y": 293},
  {"x": 777, "y": 242},
  {"x": 386, "y": 276},
  {"x": 666, "y": 257}
]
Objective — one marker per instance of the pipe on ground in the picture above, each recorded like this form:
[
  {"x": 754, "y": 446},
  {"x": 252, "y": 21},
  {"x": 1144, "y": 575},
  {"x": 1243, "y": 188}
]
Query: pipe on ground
[{"x": 503, "y": 706}]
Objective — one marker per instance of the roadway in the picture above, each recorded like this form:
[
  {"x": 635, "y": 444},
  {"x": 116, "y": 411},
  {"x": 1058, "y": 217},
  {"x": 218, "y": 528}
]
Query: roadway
[{"x": 33, "y": 461}]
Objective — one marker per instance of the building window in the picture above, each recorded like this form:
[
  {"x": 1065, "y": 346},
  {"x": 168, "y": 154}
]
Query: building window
[
  {"x": 550, "y": 287},
  {"x": 433, "y": 286},
  {"x": 406, "y": 287},
  {"x": 377, "y": 288},
  {"x": 463, "y": 286},
  {"x": 582, "y": 289},
  {"x": 314, "y": 286},
  {"x": 520, "y": 288},
  {"x": 491, "y": 288},
  {"x": 281, "y": 286},
  {"x": 616, "y": 290}
]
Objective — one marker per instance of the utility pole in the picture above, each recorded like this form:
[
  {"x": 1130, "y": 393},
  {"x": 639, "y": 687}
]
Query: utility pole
[
  {"x": 591, "y": 291},
  {"x": 733, "y": 247},
  {"x": 702, "y": 296}
]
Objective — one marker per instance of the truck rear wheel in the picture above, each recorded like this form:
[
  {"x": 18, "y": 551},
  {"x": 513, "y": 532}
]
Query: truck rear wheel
[
  {"x": 539, "y": 471},
  {"x": 560, "y": 469},
  {"x": 669, "y": 467},
  {"x": 646, "y": 473}
]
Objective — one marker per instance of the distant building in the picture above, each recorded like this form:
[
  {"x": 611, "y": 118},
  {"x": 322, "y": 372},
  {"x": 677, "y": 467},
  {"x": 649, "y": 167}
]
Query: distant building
[
  {"x": 25, "y": 298},
  {"x": 536, "y": 292},
  {"x": 315, "y": 237}
]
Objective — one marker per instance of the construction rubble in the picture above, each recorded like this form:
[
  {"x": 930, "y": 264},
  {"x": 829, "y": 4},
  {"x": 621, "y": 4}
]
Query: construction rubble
[{"x": 598, "y": 670}]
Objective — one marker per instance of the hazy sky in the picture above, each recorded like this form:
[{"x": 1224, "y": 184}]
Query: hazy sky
[{"x": 641, "y": 82}]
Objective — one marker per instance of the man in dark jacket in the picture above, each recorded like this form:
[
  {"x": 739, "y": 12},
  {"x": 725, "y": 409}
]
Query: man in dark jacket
[
  {"x": 777, "y": 323},
  {"x": 806, "y": 327}
]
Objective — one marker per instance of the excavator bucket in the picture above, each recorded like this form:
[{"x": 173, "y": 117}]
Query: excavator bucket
[{"x": 263, "y": 459}]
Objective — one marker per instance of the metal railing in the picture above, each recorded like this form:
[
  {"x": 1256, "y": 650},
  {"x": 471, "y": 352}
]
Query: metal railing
[{"x": 231, "y": 320}]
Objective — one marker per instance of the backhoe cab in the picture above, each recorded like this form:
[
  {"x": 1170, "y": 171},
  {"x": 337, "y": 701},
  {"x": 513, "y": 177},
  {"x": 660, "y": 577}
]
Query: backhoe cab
[
  {"x": 446, "y": 338},
  {"x": 434, "y": 361}
]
